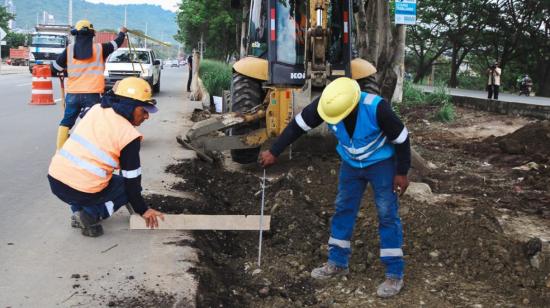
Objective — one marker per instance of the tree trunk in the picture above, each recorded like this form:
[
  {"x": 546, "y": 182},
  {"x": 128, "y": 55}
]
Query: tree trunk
[
  {"x": 544, "y": 79},
  {"x": 361, "y": 30},
  {"x": 398, "y": 63},
  {"x": 454, "y": 59},
  {"x": 244, "y": 32}
]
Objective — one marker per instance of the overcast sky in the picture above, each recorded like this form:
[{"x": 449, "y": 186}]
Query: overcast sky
[{"x": 170, "y": 5}]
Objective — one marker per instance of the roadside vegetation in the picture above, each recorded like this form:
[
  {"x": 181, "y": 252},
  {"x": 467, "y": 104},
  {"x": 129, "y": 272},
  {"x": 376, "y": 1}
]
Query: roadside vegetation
[
  {"x": 439, "y": 100},
  {"x": 216, "y": 76}
]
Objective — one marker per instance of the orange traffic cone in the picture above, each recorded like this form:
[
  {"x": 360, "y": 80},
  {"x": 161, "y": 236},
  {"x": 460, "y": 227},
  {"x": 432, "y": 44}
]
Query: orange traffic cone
[{"x": 42, "y": 90}]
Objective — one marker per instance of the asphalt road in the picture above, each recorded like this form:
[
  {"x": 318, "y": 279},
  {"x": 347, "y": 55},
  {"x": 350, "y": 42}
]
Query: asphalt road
[
  {"x": 505, "y": 97},
  {"x": 39, "y": 251}
]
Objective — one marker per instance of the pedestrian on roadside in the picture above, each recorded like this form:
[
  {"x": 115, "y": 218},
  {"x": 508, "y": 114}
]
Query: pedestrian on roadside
[
  {"x": 81, "y": 172},
  {"x": 374, "y": 147},
  {"x": 493, "y": 83},
  {"x": 190, "y": 68},
  {"x": 84, "y": 63}
]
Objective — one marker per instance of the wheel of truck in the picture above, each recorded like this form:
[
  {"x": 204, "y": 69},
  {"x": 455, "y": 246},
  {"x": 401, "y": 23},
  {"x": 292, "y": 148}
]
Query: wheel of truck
[
  {"x": 369, "y": 85},
  {"x": 246, "y": 93},
  {"x": 156, "y": 88}
]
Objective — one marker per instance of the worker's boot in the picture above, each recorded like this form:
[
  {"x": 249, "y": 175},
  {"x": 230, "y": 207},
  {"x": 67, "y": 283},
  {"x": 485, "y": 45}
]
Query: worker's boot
[
  {"x": 390, "y": 287},
  {"x": 90, "y": 225},
  {"x": 62, "y": 136},
  {"x": 329, "y": 270},
  {"x": 75, "y": 220}
]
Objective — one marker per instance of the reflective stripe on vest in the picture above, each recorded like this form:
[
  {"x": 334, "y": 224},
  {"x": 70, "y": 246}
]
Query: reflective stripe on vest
[
  {"x": 368, "y": 144},
  {"x": 87, "y": 160},
  {"x": 86, "y": 76}
]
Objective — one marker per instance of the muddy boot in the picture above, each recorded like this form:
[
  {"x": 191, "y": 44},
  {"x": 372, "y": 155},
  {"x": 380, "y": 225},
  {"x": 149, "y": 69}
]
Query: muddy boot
[
  {"x": 75, "y": 220},
  {"x": 90, "y": 225},
  {"x": 390, "y": 287},
  {"x": 328, "y": 271}
]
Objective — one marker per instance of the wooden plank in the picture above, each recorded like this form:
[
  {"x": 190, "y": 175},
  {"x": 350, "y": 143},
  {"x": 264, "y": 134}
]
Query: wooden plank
[{"x": 204, "y": 222}]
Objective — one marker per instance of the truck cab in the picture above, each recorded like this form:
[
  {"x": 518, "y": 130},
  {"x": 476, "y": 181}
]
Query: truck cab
[{"x": 47, "y": 43}]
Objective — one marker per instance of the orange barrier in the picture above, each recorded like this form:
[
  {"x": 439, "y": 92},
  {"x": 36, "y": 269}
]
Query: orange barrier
[{"x": 42, "y": 90}]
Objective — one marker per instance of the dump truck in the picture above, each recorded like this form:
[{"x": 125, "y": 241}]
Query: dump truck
[
  {"x": 294, "y": 49},
  {"x": 19, "y": 56},
  {"x": 47, "y": 42}
]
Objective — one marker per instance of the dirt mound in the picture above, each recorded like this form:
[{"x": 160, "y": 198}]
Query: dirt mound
[
  {"x": 455, "y": 257},
  {"x": 199, "y": 115},
  {"x": 532, "y": 140}
]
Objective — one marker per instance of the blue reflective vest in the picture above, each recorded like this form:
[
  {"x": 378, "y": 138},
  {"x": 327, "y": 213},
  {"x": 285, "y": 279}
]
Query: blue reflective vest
[{"x": 368, "y": 144}]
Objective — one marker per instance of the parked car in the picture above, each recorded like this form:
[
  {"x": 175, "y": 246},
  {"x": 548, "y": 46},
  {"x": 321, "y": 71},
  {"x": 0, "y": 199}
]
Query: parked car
[{"x": 141, "y": 62}]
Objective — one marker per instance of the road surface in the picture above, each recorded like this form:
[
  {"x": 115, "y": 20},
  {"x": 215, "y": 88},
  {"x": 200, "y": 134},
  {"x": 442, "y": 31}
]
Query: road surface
[{"x": 39, "y": 251}]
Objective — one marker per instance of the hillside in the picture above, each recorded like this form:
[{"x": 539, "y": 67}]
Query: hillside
[{"x": 161, "y": 24}]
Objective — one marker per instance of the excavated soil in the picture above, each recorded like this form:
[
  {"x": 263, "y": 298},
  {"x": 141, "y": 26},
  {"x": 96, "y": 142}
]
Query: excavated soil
[{"x": 456, "y": 250}]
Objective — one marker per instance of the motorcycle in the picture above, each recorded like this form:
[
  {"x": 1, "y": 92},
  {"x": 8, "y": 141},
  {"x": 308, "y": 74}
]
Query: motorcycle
[{"x": 525, "y": 87}]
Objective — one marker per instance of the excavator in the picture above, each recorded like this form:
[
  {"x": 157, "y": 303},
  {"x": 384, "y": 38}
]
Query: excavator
[{"x": 294, "y": 49}]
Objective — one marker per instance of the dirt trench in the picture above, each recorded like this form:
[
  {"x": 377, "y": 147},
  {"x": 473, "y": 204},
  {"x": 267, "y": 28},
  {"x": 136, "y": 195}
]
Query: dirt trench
[{"x": 456, "y": 249}]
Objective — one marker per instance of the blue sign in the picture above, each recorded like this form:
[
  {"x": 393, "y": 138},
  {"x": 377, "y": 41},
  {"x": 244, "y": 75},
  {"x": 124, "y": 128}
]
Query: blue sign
[{"x": 405, "y": 12}]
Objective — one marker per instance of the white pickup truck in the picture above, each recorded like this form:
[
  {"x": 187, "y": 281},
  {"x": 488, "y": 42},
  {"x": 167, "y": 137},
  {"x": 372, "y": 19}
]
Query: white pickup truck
[{"x": 141, "y": 62}]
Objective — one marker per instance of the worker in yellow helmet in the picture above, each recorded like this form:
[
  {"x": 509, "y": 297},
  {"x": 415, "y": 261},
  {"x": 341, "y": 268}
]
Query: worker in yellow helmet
[
  {"x": 81, "y": 172},
  {"x": 84, "y": 63},
  {"x": 374, "y": 147}
]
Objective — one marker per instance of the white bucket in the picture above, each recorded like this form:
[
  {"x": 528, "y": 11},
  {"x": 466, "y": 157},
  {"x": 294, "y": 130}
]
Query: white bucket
[{"x": 218, "y": 103}]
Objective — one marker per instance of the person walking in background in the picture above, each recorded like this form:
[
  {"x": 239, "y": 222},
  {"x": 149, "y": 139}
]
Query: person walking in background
[
  {"x": 493, "y": 83},
  {"x": 84, "y": 63},
  {"x": 190, "y": 67}
]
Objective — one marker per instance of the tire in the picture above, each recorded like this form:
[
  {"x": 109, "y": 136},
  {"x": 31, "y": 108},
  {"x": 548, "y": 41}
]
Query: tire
[
  {"x": 369, "y": 85},
  {"x": 246, "y": 93},
  {"x": 156, "y": 88}
]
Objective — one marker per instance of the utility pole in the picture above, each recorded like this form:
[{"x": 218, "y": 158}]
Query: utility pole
[
  {"x": 70, "y": 12},
  {"x": 146, "y": 34}
]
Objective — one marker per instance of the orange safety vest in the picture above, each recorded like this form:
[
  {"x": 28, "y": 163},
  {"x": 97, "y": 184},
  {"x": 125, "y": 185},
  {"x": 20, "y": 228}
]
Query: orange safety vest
[
  {"x": 86, "y": 76},
  {"x": 87, "y": 160}
]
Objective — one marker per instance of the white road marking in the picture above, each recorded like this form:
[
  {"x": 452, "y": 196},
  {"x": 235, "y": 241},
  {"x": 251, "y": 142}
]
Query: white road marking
[{"x": 58, "y": 99}]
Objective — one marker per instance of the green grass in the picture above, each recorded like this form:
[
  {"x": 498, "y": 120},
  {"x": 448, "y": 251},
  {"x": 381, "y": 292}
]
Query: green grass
[
  {"x": 412, "y": 96},
  {"x": 440, "y": 95},
  {"x": 216, "y": 76},
  {"x": 446, "y": 113}
]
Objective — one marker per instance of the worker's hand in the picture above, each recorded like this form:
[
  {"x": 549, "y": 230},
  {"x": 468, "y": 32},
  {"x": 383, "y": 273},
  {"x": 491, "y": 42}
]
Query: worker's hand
[
  {"x": 150, "y": 217},
  {"x": 267, "y": 159},
  {"x": 400, "y": 184},
  {"x": 123, "y": 29}
]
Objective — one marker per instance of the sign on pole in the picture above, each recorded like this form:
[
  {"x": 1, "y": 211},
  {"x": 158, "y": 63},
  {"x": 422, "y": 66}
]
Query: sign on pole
[
  {"x": 405, "y": 12},
  {"x": 2, "y": 33}
]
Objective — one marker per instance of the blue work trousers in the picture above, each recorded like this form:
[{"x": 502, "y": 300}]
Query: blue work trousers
[
  {"x": 103, "y": 204},
  {"x": 77, "y": 104},
  {"x": 351, "y": 186}
]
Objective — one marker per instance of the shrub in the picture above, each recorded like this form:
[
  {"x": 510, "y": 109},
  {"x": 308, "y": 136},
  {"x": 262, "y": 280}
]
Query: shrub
[
  {"x": 440, "y": 95},
  {"x": 412, "y": 96},
  {"x": 446, "y": 113},
  {"x": 216, "y": 76}
]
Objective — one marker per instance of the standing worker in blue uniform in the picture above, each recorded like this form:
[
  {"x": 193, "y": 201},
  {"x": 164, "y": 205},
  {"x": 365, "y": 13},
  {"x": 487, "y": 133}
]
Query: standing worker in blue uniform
[
  {"x": 374, "y": 147},
  {"x": 84, "y": 62}
]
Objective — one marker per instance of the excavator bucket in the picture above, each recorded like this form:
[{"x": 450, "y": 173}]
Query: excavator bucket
[{"x": 208, "y": 135}]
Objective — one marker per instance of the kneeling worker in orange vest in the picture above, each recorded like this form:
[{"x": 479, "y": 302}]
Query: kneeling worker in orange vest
[
  {"x": 84, "y": 62},
  {"x": 81, "y": 172}
]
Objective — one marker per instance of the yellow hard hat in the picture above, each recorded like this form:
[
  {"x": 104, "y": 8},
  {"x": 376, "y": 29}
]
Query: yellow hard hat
[
  {"x": 136, "y": 89},
  {"x": 339, "y": 99},
  {"x": 84, "y": 23}
]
